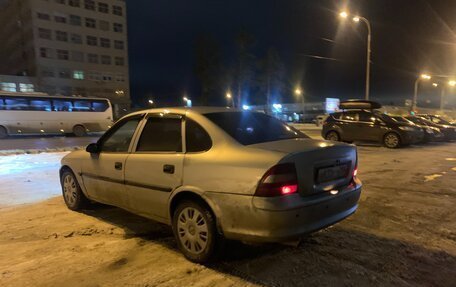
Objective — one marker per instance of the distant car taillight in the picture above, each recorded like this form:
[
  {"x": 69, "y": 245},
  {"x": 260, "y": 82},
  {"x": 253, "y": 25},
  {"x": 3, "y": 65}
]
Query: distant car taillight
[{"x": 279, "y": 180}]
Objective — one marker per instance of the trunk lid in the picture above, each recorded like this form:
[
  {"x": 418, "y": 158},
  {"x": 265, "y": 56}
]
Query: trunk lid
[{"x": 321, "y": 166}]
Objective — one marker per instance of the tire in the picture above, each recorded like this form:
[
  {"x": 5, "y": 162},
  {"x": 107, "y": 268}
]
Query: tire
[
  {"x": 195, "y": 231},
  {"x": 79, "y": 131},
  {"x": 332, "y": 136},
  {"x": 392, "y": 140},
  {"x": 3, "y": 133},
  {"x": 71, "y": 192}
]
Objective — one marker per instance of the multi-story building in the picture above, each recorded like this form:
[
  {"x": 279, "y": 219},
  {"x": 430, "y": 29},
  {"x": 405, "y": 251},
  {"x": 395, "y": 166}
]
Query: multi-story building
[{"x": 71, "y": 47}]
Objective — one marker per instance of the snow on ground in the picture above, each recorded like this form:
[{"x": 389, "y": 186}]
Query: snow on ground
[
  {"x": 28, "y": 178},
  {"x": 403, "y": 234}
]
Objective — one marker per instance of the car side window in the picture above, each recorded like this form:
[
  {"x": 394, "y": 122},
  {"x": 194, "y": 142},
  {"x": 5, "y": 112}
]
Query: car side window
[
  {"x": 196, "y": 138},
  {"x": 366, "y": 117},
  {"x": 161, "y": 134},
  {"x": 349, "y": 117},
  {"x": 119, "y": 140}
]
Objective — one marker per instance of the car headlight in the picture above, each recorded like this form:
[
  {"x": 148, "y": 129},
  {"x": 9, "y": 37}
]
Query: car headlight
[{"x": 406, "y": 128}]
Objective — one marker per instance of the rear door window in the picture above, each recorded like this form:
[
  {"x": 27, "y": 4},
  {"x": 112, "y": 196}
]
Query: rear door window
[
  {"x": 349, "y": 116},
  {"x": 161, "y": 134},
  {"x": 196, "y": 138}
]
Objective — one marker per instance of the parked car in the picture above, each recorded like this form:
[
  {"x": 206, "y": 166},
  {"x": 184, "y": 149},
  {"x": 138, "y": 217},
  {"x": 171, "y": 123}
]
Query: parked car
[
  {"x": 437, "y": 119},
  {"x": 431, "y": 134},
  {"x": 214, "y": 173},
  {"x": 448, "y": 131},
  {"x": 360, "y": 121}
]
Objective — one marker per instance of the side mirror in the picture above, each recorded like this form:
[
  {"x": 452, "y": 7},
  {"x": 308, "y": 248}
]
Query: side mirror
[{"x": 93, "y": 148}]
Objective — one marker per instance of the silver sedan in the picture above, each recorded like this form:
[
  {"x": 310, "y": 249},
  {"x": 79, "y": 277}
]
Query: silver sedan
[{"x": 215, "y": 173}]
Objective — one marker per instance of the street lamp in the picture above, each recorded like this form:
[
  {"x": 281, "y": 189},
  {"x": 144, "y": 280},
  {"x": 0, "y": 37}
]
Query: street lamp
[
  {"x": 229, "y": 98},
  {"x": 151, "y": 102},
  {"x": 299, "y": 93},
  {"x": 415, "y": 94},
  {"x": 451, "y": 84},
  {"x": 357, "y": 19}
]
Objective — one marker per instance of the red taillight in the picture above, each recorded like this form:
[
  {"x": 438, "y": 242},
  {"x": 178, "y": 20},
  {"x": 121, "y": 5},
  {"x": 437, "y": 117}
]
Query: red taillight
[{"x": 279, "y": 180}]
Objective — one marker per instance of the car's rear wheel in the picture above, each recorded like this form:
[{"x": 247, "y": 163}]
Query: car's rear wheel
[
  {"x": 195, "y": 231},
  {"x": 79, "y": 131},
  {"x": 333, "y": 136},
  {"x": 72, "y": 193},
  {"x": 391, "y": 140},
  {"x": 3, "y": 133}
]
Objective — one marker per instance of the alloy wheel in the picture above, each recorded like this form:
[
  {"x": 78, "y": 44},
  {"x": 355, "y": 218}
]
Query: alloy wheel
[{"x": 192, "y": 230}]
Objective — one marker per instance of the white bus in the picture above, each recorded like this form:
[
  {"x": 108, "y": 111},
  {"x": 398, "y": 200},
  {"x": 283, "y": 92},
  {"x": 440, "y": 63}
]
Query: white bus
[{"x": 39, "y": 113}]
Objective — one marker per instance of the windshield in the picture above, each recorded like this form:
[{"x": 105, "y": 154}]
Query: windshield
[{"x": 251, "y": 128}]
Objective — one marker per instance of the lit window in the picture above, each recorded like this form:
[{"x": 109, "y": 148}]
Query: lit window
[
  {"x": 78, "y": 75},
  {"x": 26, "y": 88},
  {"x": 8, "y": 87}
]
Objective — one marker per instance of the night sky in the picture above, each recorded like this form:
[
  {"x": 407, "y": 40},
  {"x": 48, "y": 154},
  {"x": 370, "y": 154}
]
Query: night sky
[{"x": 409, "y": 37}]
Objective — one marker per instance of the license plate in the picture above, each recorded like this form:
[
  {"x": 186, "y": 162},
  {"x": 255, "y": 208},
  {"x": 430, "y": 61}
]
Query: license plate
[{"x": 326, "y": 174}]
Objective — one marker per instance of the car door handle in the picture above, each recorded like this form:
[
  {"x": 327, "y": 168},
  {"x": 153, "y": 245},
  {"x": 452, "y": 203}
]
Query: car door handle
[
  {"x": 118, "y": 165},
  {"x": 168, "y": 168}
]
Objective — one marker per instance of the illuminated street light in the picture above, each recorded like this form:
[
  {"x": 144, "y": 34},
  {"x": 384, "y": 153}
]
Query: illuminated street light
[
  {"x": 435, "y": 85},
  {"x": 357, "y": 19},
  {"x": 451, "y": 84},
  {"x": 151, "y": 102},
  {"x": 230, "y": 98},
  {"x": 415, "y": 94},
  {"x": 298, "y": 92}
]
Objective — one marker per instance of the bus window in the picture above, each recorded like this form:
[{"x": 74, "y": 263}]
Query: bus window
[
  {"x": 82, "y": 106},
  {"x": 100, "y": 106},
  {"x": 40, "y": 105},
  {"x": 62, "y": 105},
  {"x": 2, "y": 104},
  {"x": 16, "y": 104}
]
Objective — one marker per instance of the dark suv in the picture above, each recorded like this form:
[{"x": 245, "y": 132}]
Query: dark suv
[{"x": 370, "y": 125}]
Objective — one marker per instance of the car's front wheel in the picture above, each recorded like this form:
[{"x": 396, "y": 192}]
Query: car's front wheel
[
  {"x": 333, "y": 136},
  {"x": 72, "y": 193},
  {"x": 195, "y": 231},
  {"x": 392, "y": 140}
]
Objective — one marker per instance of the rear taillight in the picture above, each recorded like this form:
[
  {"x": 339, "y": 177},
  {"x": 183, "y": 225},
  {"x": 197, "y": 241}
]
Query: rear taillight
[
  {"x": 279, "y": 180},
  {"x": 355, "y": 170}
]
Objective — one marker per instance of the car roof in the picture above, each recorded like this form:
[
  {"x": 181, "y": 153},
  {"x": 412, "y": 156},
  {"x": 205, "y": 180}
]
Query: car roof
[{"x": 183, "y": 110}]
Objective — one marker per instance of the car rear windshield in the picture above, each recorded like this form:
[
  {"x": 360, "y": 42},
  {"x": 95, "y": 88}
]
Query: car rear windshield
[{"x": 252, "y": 128}]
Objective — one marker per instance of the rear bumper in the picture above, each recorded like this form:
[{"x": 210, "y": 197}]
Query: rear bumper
[{"x": 256, "y": 219}]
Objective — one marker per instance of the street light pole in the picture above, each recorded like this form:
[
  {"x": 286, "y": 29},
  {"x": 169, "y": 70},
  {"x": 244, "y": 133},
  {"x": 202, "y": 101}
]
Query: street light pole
[
  {"x": 369, "y": 50},
  {"x": 368, "y": 59},
  {"x": 415, "y": 94}
]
